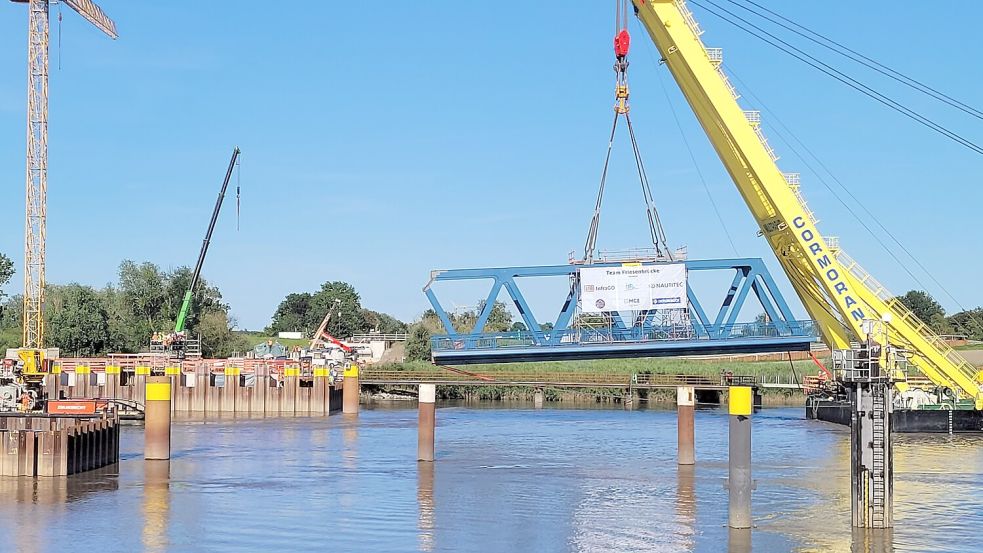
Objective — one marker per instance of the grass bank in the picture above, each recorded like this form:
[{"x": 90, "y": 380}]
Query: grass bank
[{"x": 701, "y": 367}]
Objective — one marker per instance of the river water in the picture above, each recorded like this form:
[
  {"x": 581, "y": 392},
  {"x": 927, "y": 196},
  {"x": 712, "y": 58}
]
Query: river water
[{"x": 506, "y": 479}]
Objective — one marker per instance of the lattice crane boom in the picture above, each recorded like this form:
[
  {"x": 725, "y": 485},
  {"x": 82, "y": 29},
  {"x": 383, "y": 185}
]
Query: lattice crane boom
[
  {"x": 835, "y": 290},
  {"x": 37, "y": 156}
]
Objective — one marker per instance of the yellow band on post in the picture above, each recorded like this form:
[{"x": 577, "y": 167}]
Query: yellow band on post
[
  {"x": 232, "y": 371},
  {"x": 143, "y": 371},
  {"x": 56, "y": 369},
  {"x": 741, "y": 400},
  {"x": 158, "y": 391},
  {"x": 82, "y": 369},
  {"x": 321, "y": 372},
  {"x": 291, "y": 371},
  {"x": 112, "y": 369},
  {"x": 351, "y": 372},
  {"x": 172, "y": 371}
]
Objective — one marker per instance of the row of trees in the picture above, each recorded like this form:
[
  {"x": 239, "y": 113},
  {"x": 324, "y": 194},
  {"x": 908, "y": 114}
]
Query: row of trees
[
  {"x": 304, "y": 312},
  {"x": 926, "y": 308},
  {"x": 122, "y": 316}
]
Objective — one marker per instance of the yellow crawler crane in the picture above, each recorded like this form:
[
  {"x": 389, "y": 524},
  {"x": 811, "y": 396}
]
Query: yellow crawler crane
[{"x": 834, "y": 289}]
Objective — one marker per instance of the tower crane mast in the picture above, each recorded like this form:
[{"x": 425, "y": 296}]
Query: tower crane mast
[
  {"x": 835, "y": 290},
  {"x": 37, "y": 155}
]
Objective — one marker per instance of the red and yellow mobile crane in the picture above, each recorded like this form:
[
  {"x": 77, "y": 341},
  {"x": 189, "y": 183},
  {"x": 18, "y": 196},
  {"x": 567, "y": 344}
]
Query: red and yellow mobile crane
[{"x": 849, "y": 305}]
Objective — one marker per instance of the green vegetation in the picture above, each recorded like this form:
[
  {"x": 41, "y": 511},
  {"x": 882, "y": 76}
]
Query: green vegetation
[
  {"x": 121, "y": 317},
  {"x": 926, "y": 308},
  {"x": 706, "y": 367},
  {"x": 303, "y": 312}
]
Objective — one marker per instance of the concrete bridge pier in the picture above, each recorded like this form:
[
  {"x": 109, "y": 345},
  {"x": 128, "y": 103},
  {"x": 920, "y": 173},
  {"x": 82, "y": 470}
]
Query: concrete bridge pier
[
  {"x": 427, "y": 422},
  {"x": 350, "y": 391},
  {"x": 537, "y": 398},
  {"x": 739, "y": 456},
  {"x": 157, "y": 419},
  {"x": 685, "y": 425}
]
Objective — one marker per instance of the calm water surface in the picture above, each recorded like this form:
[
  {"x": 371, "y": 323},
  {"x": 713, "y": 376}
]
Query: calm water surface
[{"x": 505, "y": 480}]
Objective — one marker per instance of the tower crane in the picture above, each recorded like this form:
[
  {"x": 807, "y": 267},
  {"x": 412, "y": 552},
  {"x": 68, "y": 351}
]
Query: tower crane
[
  {"x": 845, "y": 300},
  {"x": 37, "y": 155}
]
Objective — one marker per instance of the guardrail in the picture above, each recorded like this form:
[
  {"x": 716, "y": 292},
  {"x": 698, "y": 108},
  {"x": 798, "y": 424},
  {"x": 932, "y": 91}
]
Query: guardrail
[{"x": 614, "y": 336}]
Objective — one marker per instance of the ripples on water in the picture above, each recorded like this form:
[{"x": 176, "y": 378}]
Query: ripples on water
[{"x": 509, "y": 480}]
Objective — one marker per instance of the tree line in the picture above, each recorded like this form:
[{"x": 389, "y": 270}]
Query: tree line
[{"x": 121, "y": 317}]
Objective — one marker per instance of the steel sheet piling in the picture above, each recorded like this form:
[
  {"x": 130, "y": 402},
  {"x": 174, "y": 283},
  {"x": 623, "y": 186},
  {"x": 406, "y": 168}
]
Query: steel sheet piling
[
  {"x": 739, "y": 456},
  {"x": 427, "y": 422},
  {"x": 157, "y": 422},
  {"x": 685, "y": 425}
]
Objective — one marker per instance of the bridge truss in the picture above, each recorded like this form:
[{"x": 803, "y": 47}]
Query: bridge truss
[{"x": 649, "y": 333}]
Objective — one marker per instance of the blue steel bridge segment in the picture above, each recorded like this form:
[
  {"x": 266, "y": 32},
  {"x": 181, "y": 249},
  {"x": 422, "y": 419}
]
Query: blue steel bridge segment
[{"x": 637, "y": 338}]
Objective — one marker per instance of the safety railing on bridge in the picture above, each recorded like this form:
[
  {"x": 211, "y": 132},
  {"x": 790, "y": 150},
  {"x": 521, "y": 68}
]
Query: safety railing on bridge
[{"x": 610, "y": 335}]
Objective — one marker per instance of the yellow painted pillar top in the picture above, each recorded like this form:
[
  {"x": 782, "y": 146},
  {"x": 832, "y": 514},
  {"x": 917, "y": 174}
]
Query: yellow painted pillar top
[
  {"x": 159, "y": 389},
  {"x": 741, "y": 400}
]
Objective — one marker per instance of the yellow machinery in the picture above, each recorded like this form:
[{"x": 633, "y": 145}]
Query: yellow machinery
[
  {"x": 834, "y": 289},
  {"x": 22, "y": 380}
]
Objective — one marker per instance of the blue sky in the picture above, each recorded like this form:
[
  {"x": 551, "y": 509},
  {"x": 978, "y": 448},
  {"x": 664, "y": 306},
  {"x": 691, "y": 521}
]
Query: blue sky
[{"x": 380, "y": 143}]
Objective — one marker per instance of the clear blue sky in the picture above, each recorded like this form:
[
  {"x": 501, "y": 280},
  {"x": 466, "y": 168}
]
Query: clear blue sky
[{"x": 382, "y": 140}]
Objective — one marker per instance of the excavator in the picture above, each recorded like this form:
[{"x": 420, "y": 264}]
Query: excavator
[{"x": 856, "y": 315}]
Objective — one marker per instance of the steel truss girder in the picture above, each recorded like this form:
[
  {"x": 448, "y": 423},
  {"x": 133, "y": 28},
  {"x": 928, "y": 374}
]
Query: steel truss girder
[{"x": 750, "y": 277}]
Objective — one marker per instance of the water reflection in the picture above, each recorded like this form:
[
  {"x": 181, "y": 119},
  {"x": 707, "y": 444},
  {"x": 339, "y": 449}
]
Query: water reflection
[
  {"x": 686, "y": 502},
  {"x": 738, "y": 540},
  {"x": 425, "y": 503},
  {"x": 156, "y": 505},
  {"x": 553, "y": 481}
]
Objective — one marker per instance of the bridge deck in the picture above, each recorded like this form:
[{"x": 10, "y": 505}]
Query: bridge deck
[{"x": 499, "y": 350}]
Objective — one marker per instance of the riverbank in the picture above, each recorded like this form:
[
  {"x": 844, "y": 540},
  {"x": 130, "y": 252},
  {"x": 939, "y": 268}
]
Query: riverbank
[{"x": 706, "y": 367}]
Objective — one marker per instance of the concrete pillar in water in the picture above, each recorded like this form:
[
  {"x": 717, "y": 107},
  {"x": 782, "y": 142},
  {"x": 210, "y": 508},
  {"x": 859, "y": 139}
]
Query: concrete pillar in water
[
  {"x": 537, "y": 399},
  {"x": 350, "y": 391},
  {"x": 157, "y": 419},
  {"x": 739, "y": 459},
  {"x": 871, "y": 459},
  {"x": 685, "y": 427},
  {"x": 427, "y": 422}
]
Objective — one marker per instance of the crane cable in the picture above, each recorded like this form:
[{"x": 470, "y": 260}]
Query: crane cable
[
  {"x": 621, "y": 108},
  {"x": 780, "y": 126},
  {"x": 823, "y": 67},
  {"x": 845, "y": 51}
]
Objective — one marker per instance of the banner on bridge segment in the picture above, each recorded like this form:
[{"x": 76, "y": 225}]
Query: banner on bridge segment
[{"x": 633, "y": 287}]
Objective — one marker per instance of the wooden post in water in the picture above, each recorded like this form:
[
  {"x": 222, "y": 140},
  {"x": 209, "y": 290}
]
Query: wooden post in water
[
  {"x": 350, "y": 391},
  {"x": 427, "y": 422},
  {"x": 685, "y": 425},
  {"x": 157, "y": 421}
]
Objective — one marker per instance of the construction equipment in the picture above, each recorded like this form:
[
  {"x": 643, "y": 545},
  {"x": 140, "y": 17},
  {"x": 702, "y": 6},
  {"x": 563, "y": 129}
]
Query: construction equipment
[
  {"x": 834, "y": 289},
  {"x": 177, "y": 342},
  {"x": 622, "y": 109},
  {"x": 22, "y": 373},
  {"x": 37, "y": 155}
]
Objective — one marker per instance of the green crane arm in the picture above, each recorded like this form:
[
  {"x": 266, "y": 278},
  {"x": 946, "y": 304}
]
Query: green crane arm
[{"x": 182, "y": 316}]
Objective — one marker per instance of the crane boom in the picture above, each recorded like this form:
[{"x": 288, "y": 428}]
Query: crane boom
[
  {"x": 186, "y": 304},
  {"x": 834, "y": 289}
]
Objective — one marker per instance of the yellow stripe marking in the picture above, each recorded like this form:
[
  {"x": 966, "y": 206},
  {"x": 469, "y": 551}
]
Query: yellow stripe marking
[
  {"x": 740, "y": 402},
  {"x": 158, "y": 391}
]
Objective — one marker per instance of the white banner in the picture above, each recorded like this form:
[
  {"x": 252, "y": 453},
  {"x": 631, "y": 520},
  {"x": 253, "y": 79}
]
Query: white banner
[{"x": 633, "y": 288}]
